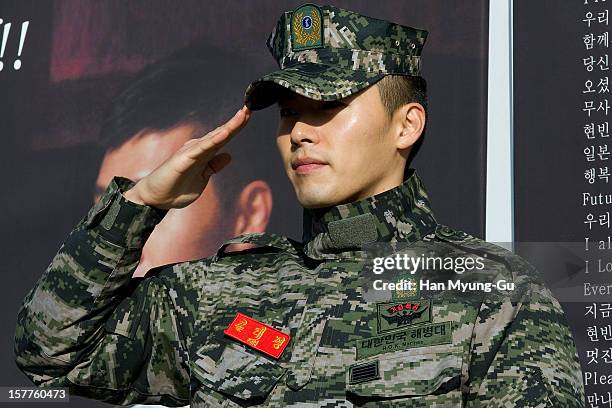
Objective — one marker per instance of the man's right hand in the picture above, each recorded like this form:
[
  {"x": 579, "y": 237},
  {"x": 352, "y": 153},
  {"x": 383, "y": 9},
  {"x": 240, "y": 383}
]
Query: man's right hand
[{"x": 181, "y": 179}]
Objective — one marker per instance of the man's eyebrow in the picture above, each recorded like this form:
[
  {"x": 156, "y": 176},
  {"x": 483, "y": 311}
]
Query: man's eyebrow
[
  {"x": 285, "y": 95},
  {"x": 283, "y": 101}
]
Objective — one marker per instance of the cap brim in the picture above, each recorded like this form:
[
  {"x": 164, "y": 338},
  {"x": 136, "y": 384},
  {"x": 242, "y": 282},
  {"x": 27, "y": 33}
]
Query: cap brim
[{"x": 315, "y": 81}]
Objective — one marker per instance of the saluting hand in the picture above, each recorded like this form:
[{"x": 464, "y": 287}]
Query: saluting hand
[{"x": 181, "y": 179}]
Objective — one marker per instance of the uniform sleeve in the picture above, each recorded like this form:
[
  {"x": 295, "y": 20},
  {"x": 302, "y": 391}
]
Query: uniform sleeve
[
  {"x": 87, "y": 325},
  {"x": 523, "y": 354}
]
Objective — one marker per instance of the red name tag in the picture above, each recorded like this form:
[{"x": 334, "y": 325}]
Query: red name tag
[{"x": 258, "y": 335}]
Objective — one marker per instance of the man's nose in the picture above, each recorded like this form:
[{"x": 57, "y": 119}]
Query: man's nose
[{"x": 302, "y": 132}]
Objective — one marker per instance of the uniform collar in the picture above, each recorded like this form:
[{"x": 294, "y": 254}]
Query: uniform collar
[{"x": 402, "y": 214}]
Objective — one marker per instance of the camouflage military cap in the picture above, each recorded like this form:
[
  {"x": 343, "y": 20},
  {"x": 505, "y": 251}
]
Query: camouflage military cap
[{"x": 326, "y": 53}]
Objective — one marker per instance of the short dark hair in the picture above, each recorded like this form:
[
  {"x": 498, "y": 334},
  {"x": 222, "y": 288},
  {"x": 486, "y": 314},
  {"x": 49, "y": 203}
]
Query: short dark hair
[
  {"x": 398, "y": 90},
  {"x": 200, "y": 85},
  {"x": 166, "y": 93}
]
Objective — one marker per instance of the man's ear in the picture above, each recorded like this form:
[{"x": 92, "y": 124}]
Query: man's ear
[
  {"x": 410, "y": 122},
  {"x": 253, "y": 208}
]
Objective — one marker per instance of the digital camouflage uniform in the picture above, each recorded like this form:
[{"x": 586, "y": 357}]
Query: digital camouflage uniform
[{"x": 88, "y": 325}]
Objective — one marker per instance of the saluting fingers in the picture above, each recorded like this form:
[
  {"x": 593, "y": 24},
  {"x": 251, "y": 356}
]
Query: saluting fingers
[
  {"x": 217, "y": 138},
  {"x": 216, "y": 164}
]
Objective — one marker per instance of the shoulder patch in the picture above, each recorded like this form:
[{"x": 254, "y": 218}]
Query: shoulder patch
[
  {"x": 513, "y": 262},
  {"x": 449, "y": 234},
  {"x": 257, "y": 240}
]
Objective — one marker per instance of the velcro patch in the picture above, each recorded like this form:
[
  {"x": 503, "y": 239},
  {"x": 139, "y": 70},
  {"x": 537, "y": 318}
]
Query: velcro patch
[{"x": 359, "y": 373}]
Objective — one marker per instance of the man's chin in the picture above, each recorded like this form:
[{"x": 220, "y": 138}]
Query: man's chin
[{"x": 314, "y": 200}]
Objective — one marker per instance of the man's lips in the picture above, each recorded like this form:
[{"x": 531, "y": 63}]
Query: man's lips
[
  {"x": 303, "y": 161},
  {"x": 306, "y": 164},
  {"x": 307, "y": 168}
]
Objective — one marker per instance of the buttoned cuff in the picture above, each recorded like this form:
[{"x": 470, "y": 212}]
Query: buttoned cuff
[{"x": 121, "y": 221}]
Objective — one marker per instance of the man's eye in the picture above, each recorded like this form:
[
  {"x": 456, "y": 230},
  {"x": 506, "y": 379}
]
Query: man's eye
[{"x": 284, "y": 112}]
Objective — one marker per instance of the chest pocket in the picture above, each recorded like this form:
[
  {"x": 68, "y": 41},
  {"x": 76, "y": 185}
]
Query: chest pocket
[
  {"x": 239, "y": 377},
  {"x": 432, "y": 375}
]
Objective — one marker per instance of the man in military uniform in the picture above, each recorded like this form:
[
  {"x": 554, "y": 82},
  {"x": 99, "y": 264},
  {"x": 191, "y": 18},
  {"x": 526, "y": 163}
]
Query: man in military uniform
[{"x": 297, "y": 323}]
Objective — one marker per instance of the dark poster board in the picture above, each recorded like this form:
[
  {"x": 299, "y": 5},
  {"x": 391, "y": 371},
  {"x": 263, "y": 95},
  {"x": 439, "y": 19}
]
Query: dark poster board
[
  {"x": 78, "y": 55},
  {"x": 560, "y": 166}
]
